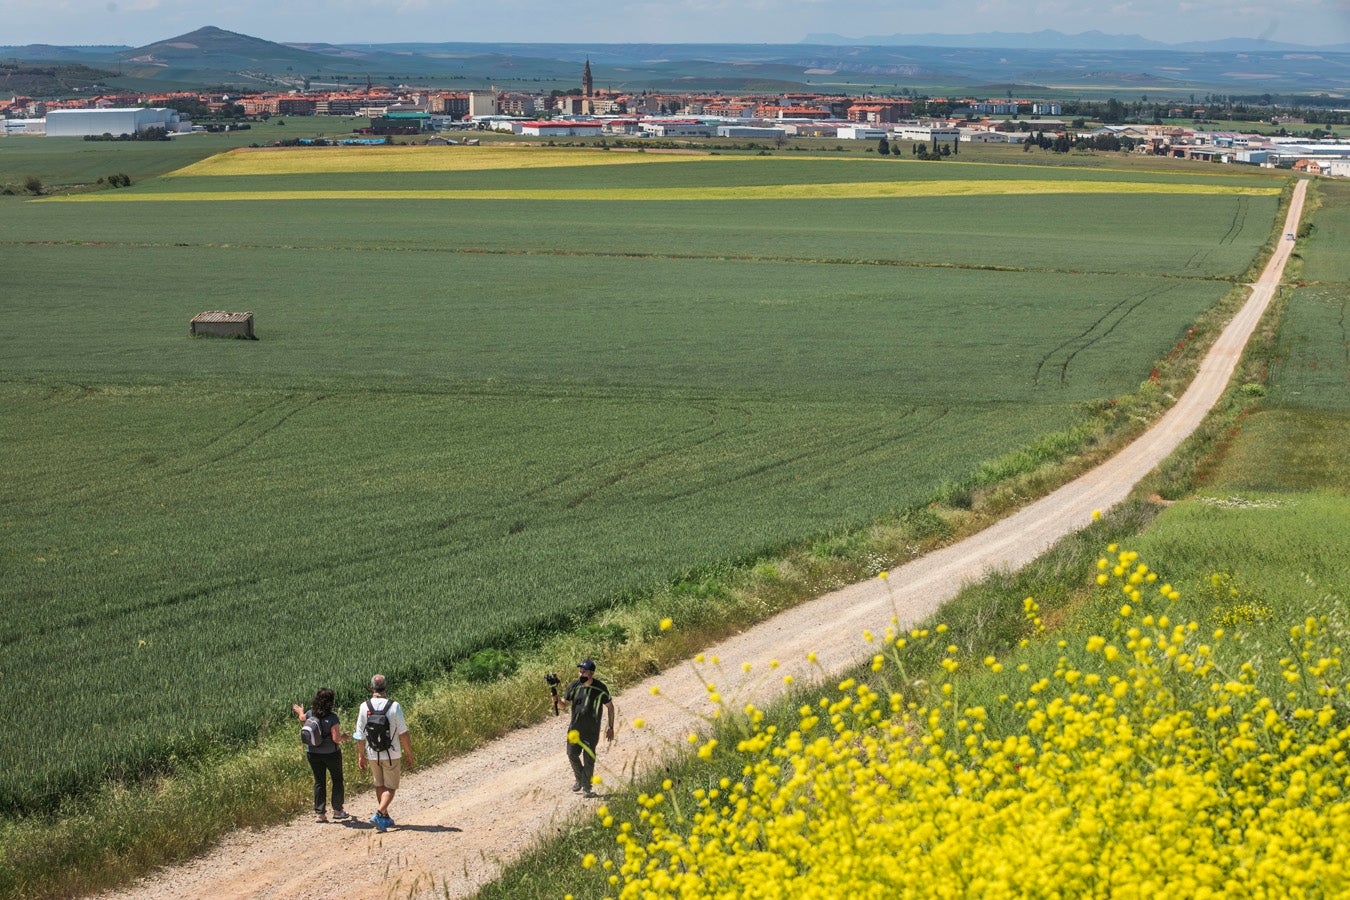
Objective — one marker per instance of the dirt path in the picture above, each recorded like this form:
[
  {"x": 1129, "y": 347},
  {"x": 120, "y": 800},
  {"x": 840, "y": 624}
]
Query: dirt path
[{"x": 458, "y": 821}]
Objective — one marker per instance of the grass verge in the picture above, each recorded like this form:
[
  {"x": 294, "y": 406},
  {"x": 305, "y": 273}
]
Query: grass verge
[{"x": 1254, "y": 559}]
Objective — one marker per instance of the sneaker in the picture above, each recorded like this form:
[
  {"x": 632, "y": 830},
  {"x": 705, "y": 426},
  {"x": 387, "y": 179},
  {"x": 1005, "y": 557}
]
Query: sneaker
[
  {"x": 388, "y": 822},
  {"x": 378, "y": 821},
  {"x": 341, "y": 815},
  {"x": 578, "y": 787},
  {"x": 320, "y": 817},
  {"x": 589, "y": 794}
]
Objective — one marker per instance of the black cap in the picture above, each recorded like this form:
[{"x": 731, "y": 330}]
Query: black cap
[{"x": 587, "y": 665}]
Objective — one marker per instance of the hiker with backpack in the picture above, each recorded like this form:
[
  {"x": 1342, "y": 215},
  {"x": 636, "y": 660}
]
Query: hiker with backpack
[
  {"x": 321, "y": 735},
  {"x": 382, "y": 739}
]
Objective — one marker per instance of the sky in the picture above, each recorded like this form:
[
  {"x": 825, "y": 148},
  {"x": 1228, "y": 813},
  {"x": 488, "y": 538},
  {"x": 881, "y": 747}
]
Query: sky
[{"x": 139, "y": 22}]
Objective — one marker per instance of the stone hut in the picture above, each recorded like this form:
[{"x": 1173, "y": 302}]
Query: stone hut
[{"x": 222, "y": 324}]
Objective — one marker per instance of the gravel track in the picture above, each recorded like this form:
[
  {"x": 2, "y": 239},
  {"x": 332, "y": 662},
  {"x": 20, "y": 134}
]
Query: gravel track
[{"x": 461, "y": 820}]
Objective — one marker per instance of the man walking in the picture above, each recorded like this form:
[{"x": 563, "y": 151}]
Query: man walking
[
  {"x": 586, "y": 696},
  {"x": 382, "y": 742}
]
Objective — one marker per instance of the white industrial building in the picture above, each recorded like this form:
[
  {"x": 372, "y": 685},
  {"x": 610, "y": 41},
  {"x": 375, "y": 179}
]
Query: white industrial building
[
  {"x": 678, "y": 129},
  {"x": 860, "y": 133},
  {"x": 980, "y": 136},
  {"x": 81, "y": 122},
  {"x": 925, "y": 133},
  {"x": 561, "y": 128},
  {"x": 749, "y": 131},
  {"x": 23, "y": 126},
  {"x": 1287, "y": 151}
]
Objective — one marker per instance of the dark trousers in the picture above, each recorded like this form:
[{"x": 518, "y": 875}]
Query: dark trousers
[
  {"x": 582, "y": 758},
  {"x": 323, "y": 765}
]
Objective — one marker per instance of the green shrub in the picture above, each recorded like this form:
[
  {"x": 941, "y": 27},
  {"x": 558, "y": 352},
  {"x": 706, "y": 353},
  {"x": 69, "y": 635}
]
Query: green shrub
[{"x": 489, "y": 665}]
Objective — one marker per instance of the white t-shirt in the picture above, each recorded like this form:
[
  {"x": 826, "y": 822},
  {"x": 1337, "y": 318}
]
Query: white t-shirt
[{"x": 396, "y": 727}]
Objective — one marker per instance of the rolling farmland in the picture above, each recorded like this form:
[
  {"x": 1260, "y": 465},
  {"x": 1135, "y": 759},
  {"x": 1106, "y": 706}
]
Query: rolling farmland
[
  {"x": 1312, "y": 370},
  {"x": 490, "y": 398}
]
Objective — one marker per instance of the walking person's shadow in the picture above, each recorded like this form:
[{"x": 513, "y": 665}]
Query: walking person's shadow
[{"x": 433, "y": 829}]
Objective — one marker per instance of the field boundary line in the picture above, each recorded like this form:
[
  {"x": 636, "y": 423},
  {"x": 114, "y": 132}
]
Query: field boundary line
[
  {"x": 636, "y": 255},
  {"x": 846, "y": 190}
]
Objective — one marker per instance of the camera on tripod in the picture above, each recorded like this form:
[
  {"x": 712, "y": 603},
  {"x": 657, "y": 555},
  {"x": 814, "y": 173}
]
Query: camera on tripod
[{"x": 553, "y": 681}]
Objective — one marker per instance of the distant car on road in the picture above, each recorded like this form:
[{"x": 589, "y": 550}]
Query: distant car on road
[{"x": 1289, "y": 236}]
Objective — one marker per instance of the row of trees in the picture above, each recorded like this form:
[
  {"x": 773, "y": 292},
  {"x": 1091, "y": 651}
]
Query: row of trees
[
  {"x": 920, "y": 149},
  {"x": 149, "y": 134}
]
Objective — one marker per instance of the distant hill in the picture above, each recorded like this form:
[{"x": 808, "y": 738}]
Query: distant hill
[
  {"x": 1049, "y": 39},
  {"x": 27, "y": 80},
  {"x": 216, "y": 48},
  {"x": 1094, "y": 62},
  {"x": 1038, "y": 40},
  {"x": 53, "y": 53}
]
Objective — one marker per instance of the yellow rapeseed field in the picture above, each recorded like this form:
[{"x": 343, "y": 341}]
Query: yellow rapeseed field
[
  {"x": 311, "y": 160},
  {"x": 832, "y": 191},
  {"x": 1138, "y": 765}
]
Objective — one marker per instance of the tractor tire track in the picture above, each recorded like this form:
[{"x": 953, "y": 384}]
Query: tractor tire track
[
  {"x": 626, "y": 255},
  {"x": 1064, "y": 368},
  {"x": 884, "y": 437},
  {"x": 1040, "y": 364},
  {"x": 235, "y": 440}
]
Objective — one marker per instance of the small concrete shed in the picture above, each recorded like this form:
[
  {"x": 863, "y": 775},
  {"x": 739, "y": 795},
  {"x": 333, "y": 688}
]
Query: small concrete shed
[{"x": 222, "y": 324}]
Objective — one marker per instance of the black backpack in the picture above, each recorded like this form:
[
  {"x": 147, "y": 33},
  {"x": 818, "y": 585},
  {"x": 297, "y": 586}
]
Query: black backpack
[{"x": 379, "y": 730}]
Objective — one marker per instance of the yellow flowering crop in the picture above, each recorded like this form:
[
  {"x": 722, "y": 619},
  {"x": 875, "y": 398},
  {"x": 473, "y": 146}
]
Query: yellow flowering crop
[
  {"x": 1137, "y": 770},
  {"x": 308, "y": 161},
  {"x": 858, "y": 190},
  {"x": 319, "y": 161}
]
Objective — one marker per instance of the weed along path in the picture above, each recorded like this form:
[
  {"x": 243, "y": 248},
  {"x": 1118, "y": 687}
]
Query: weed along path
[{"x": 458, "y": 821}]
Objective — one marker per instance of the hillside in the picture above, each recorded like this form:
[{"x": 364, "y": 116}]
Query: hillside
[
  {"x": 19, "y": 79},
  {"x": 216, "y": 48}
]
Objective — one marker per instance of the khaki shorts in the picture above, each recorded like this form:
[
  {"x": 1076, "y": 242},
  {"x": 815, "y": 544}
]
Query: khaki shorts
[{"x": 386, "y": 772}]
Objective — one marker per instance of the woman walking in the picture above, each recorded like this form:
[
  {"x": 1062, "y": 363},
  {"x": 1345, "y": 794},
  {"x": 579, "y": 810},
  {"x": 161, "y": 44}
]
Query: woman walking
[{"x": 325, "y": 758}]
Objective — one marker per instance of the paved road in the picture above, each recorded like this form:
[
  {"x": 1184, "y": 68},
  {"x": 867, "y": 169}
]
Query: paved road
[{"x": 460, "y": 819}]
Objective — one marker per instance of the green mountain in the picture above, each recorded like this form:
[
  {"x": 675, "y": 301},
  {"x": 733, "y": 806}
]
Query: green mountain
[{"x": 216, "y": 48}]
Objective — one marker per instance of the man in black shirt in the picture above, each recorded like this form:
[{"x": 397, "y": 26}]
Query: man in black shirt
[{"x": 586, "y": 696}]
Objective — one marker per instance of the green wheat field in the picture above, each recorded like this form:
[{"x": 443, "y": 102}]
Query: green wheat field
[{"x": 487, "y": 401}]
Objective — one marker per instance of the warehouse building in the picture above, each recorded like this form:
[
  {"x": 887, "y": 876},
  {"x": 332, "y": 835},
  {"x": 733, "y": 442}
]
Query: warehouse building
[
  {"x": 81, "y": 122},
  {"x": 749, "y": 131},
  {"x": 23, "y": 126},
  {"x": 926, "y": 133},
  {"x": 400, "y": 123},
  {"x": 559, "y": 128}
]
